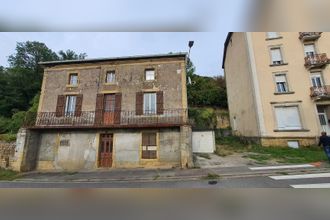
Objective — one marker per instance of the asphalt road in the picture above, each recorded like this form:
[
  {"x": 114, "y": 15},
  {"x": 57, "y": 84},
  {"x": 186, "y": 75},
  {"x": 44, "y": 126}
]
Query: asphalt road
[{"x": 242, "y": 182}]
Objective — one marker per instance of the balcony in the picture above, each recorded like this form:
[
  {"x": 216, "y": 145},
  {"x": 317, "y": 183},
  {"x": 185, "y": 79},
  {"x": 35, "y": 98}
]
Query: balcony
[
  {"x": 321, "y": 92},
  {"x": 316, "y": 61},
  {"x": 309, "y": 36},
  {"x": 107, "y": 119}
]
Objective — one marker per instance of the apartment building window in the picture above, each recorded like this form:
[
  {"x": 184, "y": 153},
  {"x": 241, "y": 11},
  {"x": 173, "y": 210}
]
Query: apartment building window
[
  {"x": 276, "y": 56},
  {"x": 272, "y": 35},
  {"x": 150, "y": 74},
  {"x": 316, "y": 79},
  {"x": 309, "y": 50},
  {"x": 149, "y": 103},
  {"x": 73, "y": 79},
  {"x": 281, "y": 83},
  {"x": 70, "y": 105},
  {"x": 288, "y": 118},
  {"x": 110, "y": 77},
  {"x": 149, "y": 145}
]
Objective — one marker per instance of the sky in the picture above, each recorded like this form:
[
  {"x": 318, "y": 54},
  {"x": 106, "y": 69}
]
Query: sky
[{"x": 206, "y": 53}]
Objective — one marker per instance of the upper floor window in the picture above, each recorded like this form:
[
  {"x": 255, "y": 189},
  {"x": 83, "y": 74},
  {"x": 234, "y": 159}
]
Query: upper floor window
[
  {"x": 110, "y": 77},
  {"x": 70, "y": 105},
  {"x": 281, "y": 83},
  {"x": 316, "y": 80},
  {"x": 309, "y": 50},
  {"x": 73, "y": 79},
  {"x": 150, "y": 74},
  {"x": 276, "y": 56},
  {"x": 149, "y": 103},
  {"x": 271, "y": 35}
]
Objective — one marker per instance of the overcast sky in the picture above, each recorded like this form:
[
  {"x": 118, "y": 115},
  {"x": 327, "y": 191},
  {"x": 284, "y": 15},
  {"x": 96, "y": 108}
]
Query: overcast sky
[{"x": 206, "y": 54}]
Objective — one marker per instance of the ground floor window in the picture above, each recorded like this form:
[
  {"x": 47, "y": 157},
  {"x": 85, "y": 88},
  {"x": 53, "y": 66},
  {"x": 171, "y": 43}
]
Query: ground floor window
[
  {"x": 288, "y": 118},
  {"x": 149, "y": 145}
]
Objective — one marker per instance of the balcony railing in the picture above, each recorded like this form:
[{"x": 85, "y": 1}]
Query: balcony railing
[
  {"x": 320, "y": 92},
  {"x": 316, "y": 60},
  {"x": 89, "y": 119},
  {"x": 308, "y": 36}
]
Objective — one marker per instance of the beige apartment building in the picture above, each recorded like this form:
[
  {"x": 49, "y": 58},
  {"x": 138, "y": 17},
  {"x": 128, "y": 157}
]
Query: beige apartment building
[{"x": 278, "y": 86}]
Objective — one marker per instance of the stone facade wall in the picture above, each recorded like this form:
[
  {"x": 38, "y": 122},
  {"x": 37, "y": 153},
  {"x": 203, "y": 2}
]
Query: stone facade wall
[
  {"x": 7, "y": 150},
  {"x": 129, "y": 80},
  {"x": 283, "y": 142}
]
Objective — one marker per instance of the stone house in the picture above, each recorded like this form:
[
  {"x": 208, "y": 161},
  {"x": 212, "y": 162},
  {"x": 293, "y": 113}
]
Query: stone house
[{"x": 125, "y": 112}]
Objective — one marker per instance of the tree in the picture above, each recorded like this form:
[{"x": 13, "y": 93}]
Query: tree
[{"x": 71, "y": 55}]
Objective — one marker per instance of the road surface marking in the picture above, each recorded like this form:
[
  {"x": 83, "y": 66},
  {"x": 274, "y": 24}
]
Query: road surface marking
[
  {"x": 282, "y": 167},
  {"x": 301, "y": 176},
  {"x": 312, "y": 186}
]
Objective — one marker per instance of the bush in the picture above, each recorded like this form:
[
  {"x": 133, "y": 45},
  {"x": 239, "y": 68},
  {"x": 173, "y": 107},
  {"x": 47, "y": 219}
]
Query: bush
[
  {"x": 203, "y": 118},
  {"x": 4, "y": 122},
  {"x": 8, "y": 137},
  {"x": 16, "y": 122}
]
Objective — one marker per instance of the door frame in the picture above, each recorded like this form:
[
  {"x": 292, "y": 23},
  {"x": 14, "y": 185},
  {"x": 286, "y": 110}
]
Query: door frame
[{"x": 98, "y": 151}]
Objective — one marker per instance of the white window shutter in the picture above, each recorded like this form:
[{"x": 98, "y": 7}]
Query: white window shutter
[
  {"x": 276, "y": 54},
  {"x": 280, "y": 78},
  {"x": 288, "y": 118}
]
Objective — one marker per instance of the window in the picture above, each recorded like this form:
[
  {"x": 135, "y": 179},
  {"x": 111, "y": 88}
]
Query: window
[
  {"x": 316, "y": 80},
  {"x": 149, "y": 103},
  {"x": 110, "y": 77},
  {"x": 281, "y": 83},
  {"x": 73, "y": 79},
  {"x": 149, "y": 145},
  {"x": 150, "y": 74},
  {"x": 288, "y": 118},
  {"x": 271, "y": 35},
  {"x": 70, "y": 105},
  {"x": 276, "y": 56},
  {"x": 309, "y": 50}
]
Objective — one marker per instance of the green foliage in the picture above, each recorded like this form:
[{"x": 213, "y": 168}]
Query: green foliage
[
  {"x": 8, "y": 137},
  {"x": 203, "y": 118},
  {"x": 8, "y": 174},
  {"x": 21, "y": 82},
  {"x": 205, "y": 91}
]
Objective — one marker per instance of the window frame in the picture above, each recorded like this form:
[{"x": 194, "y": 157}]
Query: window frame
[
  {"x": 272, "y": 48},
  {"x": 286, "y": 83},
  {"x": 106, "y": 77},
  {"x": 150, "y": 111},
  {"x": 148, "y": 70},
  {"x": 314, "y": 75},
  {"x": 288, "y": 129},
  {"x": 278, "y": 36},
  {"x": 314, "y": 47},
  {"x": 69, "y": 79},
  {"x": 68, "y": 105},
  {"x": 155, "y": 147}
]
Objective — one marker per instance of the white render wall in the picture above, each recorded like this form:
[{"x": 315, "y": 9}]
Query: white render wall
[{"x": 203, "y": 141}]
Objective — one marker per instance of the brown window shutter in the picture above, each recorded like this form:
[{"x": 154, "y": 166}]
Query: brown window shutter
[
  {"x": 99, "y": 108},
  {"x": 145, "y": 139},
  {"x": 152, "y": 139},
  {"x": 160, "y": 103},
  {"x": 139, "y": 103},
  {"x": 118, "y": 97},
  {"x": 78, "y": 105},
  {"x": 60, "y": 106}
]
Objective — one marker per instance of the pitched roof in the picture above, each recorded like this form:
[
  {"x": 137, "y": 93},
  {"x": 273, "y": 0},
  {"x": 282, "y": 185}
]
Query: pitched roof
[{"x": 138, "y": 57}]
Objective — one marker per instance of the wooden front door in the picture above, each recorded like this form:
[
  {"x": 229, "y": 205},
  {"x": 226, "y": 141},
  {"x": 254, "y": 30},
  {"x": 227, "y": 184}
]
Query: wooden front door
[
  {"x": 109, "y": 109},
  {"x": 105, "y": 151}
]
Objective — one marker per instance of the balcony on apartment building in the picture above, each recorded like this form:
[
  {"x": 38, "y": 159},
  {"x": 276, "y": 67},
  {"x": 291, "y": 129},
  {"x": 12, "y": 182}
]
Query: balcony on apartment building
[
  {"x": 316, "y": 61},
  {"x": 309, "y": 36},
  {"x": 320, "y": 92},
  {"x": 108, "y": 119}
]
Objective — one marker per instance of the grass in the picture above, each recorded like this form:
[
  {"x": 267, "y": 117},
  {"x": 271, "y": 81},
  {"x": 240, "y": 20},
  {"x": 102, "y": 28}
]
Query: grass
[
  {"x": 8, "y": 137},
  {"x": 8, "y": 174},
  {"x": 211, "y": 176},
  {"x": 231, "y": 145}
]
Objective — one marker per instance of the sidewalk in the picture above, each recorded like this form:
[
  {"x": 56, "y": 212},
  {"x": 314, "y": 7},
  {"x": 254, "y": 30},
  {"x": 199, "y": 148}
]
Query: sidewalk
[{"x": 164, "y": 174}]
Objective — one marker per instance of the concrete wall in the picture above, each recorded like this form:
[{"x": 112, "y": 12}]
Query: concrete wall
[
  {"x": 203, "y": 141},
  {"x": 82, "y": 152}
]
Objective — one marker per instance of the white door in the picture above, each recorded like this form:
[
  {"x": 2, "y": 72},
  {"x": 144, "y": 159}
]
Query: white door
[
  {"x": 309, "y": 50},
  {"x": 316, "y": 80},
  {"x": 324, "y": 122}
]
